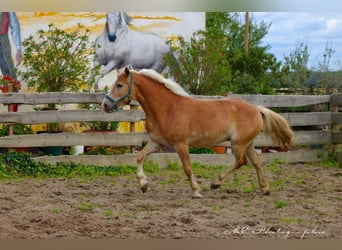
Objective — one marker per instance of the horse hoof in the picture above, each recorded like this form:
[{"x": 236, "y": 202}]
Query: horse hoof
[
  {"x": 144, "y": 188},
  {"x": 214, "y": 186},
  {"x": 197, "y": 196},
  {"x": 266, "y": 192}
]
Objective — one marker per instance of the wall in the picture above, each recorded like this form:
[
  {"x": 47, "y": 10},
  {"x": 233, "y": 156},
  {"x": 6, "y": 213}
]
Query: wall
[{"x": 168, "y": 25}]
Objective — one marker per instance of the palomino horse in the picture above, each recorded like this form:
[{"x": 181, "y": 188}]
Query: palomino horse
[
  {"x": 174, "y": 118},
  {"x": 119, "y": 46}
]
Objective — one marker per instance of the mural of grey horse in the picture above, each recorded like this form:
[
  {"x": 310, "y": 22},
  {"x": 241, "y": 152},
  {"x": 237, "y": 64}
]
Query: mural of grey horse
[{"x": 119, "y": 46}]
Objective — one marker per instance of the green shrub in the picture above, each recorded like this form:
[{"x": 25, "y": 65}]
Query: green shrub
[
  {"x": 56, "y": 60},
  {"x": 19, "y": 164}
]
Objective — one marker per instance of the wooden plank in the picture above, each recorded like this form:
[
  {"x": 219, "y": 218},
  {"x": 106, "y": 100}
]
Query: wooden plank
[
  {"x": 313, "y": 137},
  {"x": 163, "y": 159},
  {"x": 70, "y": 139},
  {"x": 51, "y": 97},
  {"x": 72, "y": 97},
  {"x": 308, "y": 118},
  {"x": 70, "y": 116},
  {"x": 278, "y": 100},
  {"x": 136, "y": 139},
  {"x": 294, "y": 119}
]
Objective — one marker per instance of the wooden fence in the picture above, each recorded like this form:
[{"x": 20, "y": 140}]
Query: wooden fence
[{"x": 330, "y": 120}]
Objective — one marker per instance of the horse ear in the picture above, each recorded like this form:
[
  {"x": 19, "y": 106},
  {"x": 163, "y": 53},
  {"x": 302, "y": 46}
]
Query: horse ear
[{"x": 127, "y": 71}]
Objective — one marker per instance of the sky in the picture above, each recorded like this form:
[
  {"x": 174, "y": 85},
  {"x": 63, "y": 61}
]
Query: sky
[{"x": 315, "y": 29}]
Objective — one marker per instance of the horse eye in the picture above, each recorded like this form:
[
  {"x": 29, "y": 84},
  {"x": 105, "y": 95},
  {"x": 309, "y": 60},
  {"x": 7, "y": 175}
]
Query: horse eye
[{"x": 119, "y": 85}]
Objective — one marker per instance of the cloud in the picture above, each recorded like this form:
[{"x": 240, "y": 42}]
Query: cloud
[{"x": 314, "y": 28}]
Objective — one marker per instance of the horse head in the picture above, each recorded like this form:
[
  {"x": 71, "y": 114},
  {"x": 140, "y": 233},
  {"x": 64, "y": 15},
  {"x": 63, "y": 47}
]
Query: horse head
[
  {"x": 121, "y": 92},
  {"x": 115, "y": 21}
]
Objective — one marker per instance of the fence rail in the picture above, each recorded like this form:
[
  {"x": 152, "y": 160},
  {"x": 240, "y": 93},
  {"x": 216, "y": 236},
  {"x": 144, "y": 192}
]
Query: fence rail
[{"x": 330, "y": 120}]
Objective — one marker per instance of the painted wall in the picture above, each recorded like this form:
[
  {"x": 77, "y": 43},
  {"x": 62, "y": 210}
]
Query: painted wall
[{"x": 167, "y": 25}]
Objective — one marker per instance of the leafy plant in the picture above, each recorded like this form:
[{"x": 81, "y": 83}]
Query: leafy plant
[
  {"x": 202, "y": 66},
  {"x": 97, "y": 125},
  {"x": 193, "y": 150},
  {"x": 105, "y": 150},
  {"x": 57, "y": 60},
  {"x": 6, "y": 80},
  {"x": 18, "y": 129}
]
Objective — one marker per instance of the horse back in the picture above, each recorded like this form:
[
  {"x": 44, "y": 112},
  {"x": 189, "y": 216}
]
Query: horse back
[{"x": 206, "y": 122}]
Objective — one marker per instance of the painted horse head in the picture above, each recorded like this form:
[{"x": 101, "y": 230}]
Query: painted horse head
[{"x": 115, "y": 21}]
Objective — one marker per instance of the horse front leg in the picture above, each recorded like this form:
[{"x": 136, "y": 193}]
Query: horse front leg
[
  {"x": 183, "y": 153},
  {"x": 141, "y": 177}
]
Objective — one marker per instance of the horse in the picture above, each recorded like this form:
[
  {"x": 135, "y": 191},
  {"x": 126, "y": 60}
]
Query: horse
[
  {"x": 118, "y": 46},
  {"x": 175, "y": 118}
]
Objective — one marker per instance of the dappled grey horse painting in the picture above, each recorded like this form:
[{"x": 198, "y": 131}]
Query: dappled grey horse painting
[{"x": 119, "y": 46}]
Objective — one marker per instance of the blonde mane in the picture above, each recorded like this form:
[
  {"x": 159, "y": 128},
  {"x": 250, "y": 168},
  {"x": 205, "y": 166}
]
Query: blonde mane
[{"x": 168, "y": 83}]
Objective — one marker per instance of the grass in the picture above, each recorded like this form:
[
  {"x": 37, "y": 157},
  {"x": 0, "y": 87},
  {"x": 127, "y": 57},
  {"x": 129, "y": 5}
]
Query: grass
[
  {"x": 215, "y": 207},
  {"x": 108, "y": 213},
  {"x": 55, "y": 210},
  {"x": 250, "y": 188},
  {"x": 168, "y": 181},
  {"x": 277, "y": 184},
  {"x": 16, "y": 166},
  {"x": 152, "y": 208},
  {"x": 288, "y": 220},
  {"x": 281, "y": 204},
  {"x": 85, "y": 206},
  {"x": 274, "y": 166}
]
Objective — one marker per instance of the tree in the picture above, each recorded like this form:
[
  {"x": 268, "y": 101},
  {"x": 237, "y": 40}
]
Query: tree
[
  {"x": 295, "y": 70},
  {"x": 327, "y": 80},
  {"x": 202, "y": 66},
  {"x": 253, "y": 71},
  {"x": 214, "y": 61}
]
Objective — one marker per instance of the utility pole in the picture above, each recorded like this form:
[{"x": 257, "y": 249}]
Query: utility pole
[{"x": 246, "y": 32}]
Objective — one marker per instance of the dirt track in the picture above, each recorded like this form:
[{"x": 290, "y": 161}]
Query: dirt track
[{"x": 306, "y": 202}]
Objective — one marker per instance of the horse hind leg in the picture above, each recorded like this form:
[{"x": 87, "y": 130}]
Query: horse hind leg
[
  {"x": 141, "y": 177},
  {"x": 239, "y": 153},
  {"x": 256, "y": 162}
]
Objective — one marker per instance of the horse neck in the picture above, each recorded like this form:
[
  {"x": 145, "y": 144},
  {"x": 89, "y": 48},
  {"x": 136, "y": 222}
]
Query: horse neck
[{"x": 154, "y": 98}]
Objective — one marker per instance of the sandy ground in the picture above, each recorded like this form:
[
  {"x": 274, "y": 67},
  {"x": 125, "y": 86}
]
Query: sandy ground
[{"x": 306, "y": 202}]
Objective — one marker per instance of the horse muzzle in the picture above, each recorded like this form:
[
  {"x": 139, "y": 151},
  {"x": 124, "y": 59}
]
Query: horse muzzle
[
  {"x": 108, "y": 106},
  {"x": 112, "y": 37},
  {"x": 108, "y": 109}
]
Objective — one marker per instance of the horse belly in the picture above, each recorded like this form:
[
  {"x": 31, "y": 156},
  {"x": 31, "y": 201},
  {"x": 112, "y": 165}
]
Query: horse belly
[{"x": 209, "y": 138}]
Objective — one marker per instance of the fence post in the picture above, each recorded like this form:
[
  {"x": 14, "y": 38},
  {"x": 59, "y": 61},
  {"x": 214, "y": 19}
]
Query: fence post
[
  {"x": 335, "y": 127},
  {"x": 10, "y": 109},
  {"x": 132, "y": 126}
]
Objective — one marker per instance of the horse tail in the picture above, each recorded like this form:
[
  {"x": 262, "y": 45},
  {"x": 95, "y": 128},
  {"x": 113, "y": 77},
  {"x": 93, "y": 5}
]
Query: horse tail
[{"x": 276, "y": 127}]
